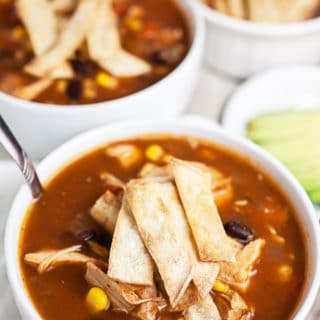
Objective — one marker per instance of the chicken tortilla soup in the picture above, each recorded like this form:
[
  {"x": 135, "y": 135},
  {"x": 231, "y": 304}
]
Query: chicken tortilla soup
[
  {"x": 162, "y": 227},
  {"x": 88, "y": 51}
]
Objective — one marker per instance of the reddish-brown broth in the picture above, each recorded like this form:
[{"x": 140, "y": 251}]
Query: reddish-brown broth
[
  {"x": 16, "y": 52},
  {"x": 60, "y": 294}
]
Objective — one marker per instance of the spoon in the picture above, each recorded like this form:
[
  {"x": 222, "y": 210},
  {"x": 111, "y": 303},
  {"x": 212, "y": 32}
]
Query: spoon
[{"x": 26, "y": 166}]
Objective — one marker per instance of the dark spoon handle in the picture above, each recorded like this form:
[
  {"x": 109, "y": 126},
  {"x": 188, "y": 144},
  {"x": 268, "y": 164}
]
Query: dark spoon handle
[{"x": 13, "y": 147}]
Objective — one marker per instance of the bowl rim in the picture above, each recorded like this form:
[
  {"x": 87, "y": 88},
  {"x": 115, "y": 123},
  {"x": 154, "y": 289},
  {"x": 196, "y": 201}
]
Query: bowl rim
[
  {"x": 276, "y": 30},
  {"x": 202, "y": 129},
  {"x": 196, "y": 28}
]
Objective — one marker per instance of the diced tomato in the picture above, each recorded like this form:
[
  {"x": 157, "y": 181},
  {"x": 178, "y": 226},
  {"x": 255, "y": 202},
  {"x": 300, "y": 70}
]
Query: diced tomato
[{"x": 150, "y": 29}]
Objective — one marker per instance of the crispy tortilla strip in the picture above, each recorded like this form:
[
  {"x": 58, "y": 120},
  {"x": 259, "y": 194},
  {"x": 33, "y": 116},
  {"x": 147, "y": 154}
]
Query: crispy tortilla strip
[
  {"x": 40, "y": 22},
  {"x": 46, "y": 260},
  {"x": 203, "y": 273},
  {"x": 31, "y": 91},
  {"x": 190, "y": 297},
  {"x": 232, "y": 306},
  {"x": 282, "y": 11},
  {"x": 160, "y": 235},
  {"x": 105, "y": 211},
  {"x": 194, "y": 187},
  {"x": 104, "y": 38},
  {"x": 68, "y": 42},
  {"x": 129, "y": 260},
  {"x": 63, "y": 6},
  {"x": 152, "y": 170},
  {"x": 239, "y": 272},
  {"x": 221, "y": 6},
  {"x": 236, "y": 8},
  {"x": 124, "y": 64},
  {"x": 203, "y": 310}
]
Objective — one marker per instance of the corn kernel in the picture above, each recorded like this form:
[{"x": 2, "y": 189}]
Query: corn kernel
[
  {"x": 61, "y": 86},
  {"x": 89, "y": 89},
  {"x": 285, "y": 272},
  {"x": 106, "y": 81},
  {"x": 97, "y": 300},
  {"x": 155, "y": 152},
  {"x": 18, "y": 33},
  {"x": 220, "y": 286},
  {"x": 134, "y": 24}
]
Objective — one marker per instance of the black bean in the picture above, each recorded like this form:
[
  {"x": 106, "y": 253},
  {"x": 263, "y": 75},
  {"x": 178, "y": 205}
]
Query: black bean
[
  {"x": 86, "y": 235},
  {"x": 85, "y": 68},
  {"x": 157, "y": 58},
  {"x": 74, "y": 89},
  {"x": 239, "y": 231},
  {"x": 12, "y": 16}
]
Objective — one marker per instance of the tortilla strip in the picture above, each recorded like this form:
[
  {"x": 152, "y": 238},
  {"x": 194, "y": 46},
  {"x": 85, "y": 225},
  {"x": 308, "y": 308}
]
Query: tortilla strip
[
  {"x": 41, "y": 24},
  {"x": 236, "y": 8},
  {"x": 203, "y": 273},
  {"x": 190, "y": 297},
  {"x": 124, "y": 64},
  {"x": 31, "y": 91},
  {"x": 105, "y": 211},
  {"x": 129, "y": 260},
  {"x": 104, "y": 39},
  {"x": 282, "y": 11},
  {"x": 203, "y": 310},
  {"x": 63, "y": 6},
  {"x": 194, "y": 187},
  {"x": 69, "y": 41},
  {"x": 160, "y": 235},
  {"x": 221, "y": 6}
]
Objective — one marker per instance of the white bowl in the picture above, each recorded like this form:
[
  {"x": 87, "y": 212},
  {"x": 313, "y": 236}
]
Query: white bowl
[
  {"x": 42, "y": 127},
  {"x": 241, "y": 48},
  {"x": 197, "y": 128}
]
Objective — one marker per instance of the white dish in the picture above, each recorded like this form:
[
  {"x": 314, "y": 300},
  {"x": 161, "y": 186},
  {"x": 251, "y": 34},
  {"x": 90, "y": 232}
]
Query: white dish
[
  {"x": 197, "y": 128},
  {"x": 275, "y": 90},
  {"x": 42, "y": 127},
  {"x": 241, "y": 48}
]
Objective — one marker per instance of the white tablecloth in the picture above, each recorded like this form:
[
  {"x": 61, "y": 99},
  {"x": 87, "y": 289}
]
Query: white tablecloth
[{"x": 210, "y": 96}]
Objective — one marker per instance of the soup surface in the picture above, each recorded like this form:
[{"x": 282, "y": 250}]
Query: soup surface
[
  {"x": 154, "y": 31},
  {"x": 276, "y": 281}
]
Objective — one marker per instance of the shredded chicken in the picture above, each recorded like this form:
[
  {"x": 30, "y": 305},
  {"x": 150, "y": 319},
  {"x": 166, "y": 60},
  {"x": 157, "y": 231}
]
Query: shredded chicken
[
  {"x": 239, "y": 272},
  {"x": 48, "y": 259}
]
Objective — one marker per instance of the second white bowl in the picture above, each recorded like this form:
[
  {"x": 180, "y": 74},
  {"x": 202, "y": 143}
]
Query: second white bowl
[{"x": 42, "y": 127}]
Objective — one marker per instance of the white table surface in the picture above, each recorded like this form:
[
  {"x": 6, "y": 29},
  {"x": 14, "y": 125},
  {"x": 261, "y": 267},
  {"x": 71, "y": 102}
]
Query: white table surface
[{"x": 210, "y": 96}]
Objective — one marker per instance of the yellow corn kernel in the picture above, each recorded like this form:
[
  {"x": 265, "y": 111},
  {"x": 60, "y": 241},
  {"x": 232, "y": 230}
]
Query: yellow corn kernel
[
  {"x": 18, "y": 33},
  {"x": 61, "y": 86},
  {"x": 89, "y": 89},
  {"x": 285, "y": 272},
  {"x": 220, "y": 286},
  {"x": 97, "y": 300},
  {"x": 180, "y": 318},
  {"x": 134, "y": 24},
  {"x": 106, "y": 81},
  {"x": 155, "y": 152}
]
